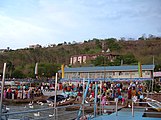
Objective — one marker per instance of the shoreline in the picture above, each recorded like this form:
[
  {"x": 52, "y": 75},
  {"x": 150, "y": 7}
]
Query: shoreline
[{"x": 23, "y": 101}]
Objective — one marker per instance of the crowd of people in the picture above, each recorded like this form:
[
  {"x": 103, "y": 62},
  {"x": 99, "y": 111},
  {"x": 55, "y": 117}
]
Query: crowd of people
[
  {"x": 107, "y": 91},
  {"x": 21, "y": 92},
  {"x": 26, "y": 91}
]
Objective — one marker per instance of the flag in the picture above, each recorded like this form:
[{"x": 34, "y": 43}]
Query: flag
[
  {"x": 36, "y": 69},
  {"x": 62, "y": 70},
  {"x": 140, "y": 69}
]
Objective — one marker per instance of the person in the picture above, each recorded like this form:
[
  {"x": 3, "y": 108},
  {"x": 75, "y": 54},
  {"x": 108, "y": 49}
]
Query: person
[
  {"x": 129, "y": 93},
  {"x": 123, "y": 100},
  {"x": 9, "y": 93},
  {"x": 5, "y": 93},
  {"x": 60, "y": 86},
  {"x": 141, "y": 99},
  {"x": 133, "y": 92},
  {"x": 120, "y": 97},
  {"x": 16, "y": 93},
  {"x": 103, "y": 102},
  {"x": 79, "y": 95}
]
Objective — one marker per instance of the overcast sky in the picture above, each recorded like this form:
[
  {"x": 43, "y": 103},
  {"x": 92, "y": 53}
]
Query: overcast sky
[{"x": 28, "y": 22}]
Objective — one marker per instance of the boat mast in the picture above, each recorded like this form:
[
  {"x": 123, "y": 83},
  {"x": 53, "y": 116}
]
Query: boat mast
[{"x": 2, "y": 88}]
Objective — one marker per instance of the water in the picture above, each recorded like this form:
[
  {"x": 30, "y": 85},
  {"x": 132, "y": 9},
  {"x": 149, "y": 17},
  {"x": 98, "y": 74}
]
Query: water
[{"x": 44, "y": 115}]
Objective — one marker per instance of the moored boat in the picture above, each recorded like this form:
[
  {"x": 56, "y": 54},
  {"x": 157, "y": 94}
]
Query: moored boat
[
  {"x": 68, "y": 101},
  {"x": 21, "y": 101},
  {"x": 154, "y": 104},
  {"x": 50, "y": 92},
  {"x": 58, "y": 98},
  {"x": 61, "y": 100}
]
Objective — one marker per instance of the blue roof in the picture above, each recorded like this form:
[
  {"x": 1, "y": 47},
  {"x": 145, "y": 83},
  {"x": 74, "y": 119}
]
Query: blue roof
[
  {"x": 108, "y": 68},
  {"x": 105, "y": 79}
]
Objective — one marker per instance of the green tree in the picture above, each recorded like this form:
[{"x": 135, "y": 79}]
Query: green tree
[
  {"x": 157, "y": 68},
  {"x": 18, "y": 74},
  {"x": 98, "y": 44},
  {"x": 10, "y": 68},
  {"x": 101, "y": 61},
  {"x": 46, "y": 70},
  {"x": 129, "y": 59},
  {"x": 112, "y": 44},
  {"x": 117, "y": 61}
]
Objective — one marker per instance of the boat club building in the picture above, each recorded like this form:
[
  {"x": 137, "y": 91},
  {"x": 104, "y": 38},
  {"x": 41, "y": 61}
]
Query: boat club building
[
  {"x": 82, "y": 59},
  {"x": 109, "y": 73}
]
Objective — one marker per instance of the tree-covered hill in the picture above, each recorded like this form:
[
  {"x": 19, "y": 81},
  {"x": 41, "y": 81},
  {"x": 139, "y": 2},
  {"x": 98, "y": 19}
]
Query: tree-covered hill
[{"x": 21, "y": 62}]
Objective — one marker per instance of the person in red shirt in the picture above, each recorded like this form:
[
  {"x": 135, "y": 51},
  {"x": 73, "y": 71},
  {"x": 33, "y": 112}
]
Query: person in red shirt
[
  {"x": 129, "y": 93},
  {"x": 92, "y": 93},
  {"x": 118, "y": 90},
  {"x": 79, "y": 95},
  {"x": 60, "y": 86}
]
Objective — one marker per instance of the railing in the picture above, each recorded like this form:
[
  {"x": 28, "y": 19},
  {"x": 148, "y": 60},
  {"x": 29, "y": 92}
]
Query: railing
[
  {"x": 144, "y": 107},
  {"x": 115, "y": 109},
  {"x": 24, "y": 116},
  {"x": 133, "y": 109}
]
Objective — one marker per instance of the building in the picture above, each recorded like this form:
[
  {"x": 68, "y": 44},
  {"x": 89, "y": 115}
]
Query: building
[
  {"x": 5, "y": 50},
  {"x": 157, "y": 76},
  {"x": 108, "y": 73},
  {"x": 2, "y": 50},
  {"x": 52, "y": 45},
  {"x": 82, "y": 59},
  {"x": 35, "y": 46}
]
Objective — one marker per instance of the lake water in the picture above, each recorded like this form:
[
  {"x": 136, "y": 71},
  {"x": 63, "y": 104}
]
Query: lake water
[{"x": 44, "y": 115}]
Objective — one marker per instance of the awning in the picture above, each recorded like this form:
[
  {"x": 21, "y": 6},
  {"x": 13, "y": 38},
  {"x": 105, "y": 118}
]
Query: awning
[{"x": 104, "y": 79}]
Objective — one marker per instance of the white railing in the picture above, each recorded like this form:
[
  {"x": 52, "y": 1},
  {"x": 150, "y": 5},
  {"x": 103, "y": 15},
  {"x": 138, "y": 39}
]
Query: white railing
[
  {"x": 59, "y": 114},
  {"x": 7, "y": 116}
]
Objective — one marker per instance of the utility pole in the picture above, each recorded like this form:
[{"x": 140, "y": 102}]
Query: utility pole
[
  {"x": 121, "y": 62},
  {"x": 2, "y": 89},
  {"x": 153, "y": 75}
]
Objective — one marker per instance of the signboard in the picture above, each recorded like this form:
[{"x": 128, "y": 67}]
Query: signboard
[{"x": 157, "y": 74}]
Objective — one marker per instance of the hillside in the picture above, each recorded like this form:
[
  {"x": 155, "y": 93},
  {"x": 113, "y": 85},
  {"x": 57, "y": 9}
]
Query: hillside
[{"x": 23, "y": 60}]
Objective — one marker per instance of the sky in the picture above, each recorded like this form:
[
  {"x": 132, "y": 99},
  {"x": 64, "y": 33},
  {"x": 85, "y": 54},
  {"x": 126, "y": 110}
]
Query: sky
[{"x": 44, "y": 22}]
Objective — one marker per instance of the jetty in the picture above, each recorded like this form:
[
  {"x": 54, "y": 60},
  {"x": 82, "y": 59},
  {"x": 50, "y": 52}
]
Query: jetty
[
  {"x": 126, "y": 114},
  {"x": 22, "y": 101}
]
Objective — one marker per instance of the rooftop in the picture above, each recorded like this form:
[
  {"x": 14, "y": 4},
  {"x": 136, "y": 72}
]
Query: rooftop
[{"x": 108, "y": 68}]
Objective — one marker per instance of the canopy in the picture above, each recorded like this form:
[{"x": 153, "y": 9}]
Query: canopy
[{"x": 105, "y": 79}]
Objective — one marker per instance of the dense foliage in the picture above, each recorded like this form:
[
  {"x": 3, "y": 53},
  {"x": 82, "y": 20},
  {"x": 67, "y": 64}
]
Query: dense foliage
[{"x": 21, "y": 62}]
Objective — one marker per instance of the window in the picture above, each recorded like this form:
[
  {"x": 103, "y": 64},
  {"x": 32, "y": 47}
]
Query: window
[
  {"x": 120, "y": 73},
  {"x": 147, "y": 73},
  {"x": 113, "y": 73},
  {"x": 126, "y": 73}
]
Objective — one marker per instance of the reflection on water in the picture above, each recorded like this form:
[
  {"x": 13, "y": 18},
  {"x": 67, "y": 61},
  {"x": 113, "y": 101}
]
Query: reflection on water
[{"x": 46, "y": 114}]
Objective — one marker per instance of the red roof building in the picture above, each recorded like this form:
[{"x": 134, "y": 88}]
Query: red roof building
[{"x": 82, "y": 59}]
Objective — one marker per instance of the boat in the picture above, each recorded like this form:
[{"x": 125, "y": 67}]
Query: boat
[
  {"x": 50, "y": 92},
  {"x": 22, "y": 101},
  {"x": 154, "y": 104},
  {"x": 68, "y": 101},
  {"x": 87, "y": 109},
  {"x": 4, "y": 109},
  {"x": 58, "y": 98}
]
